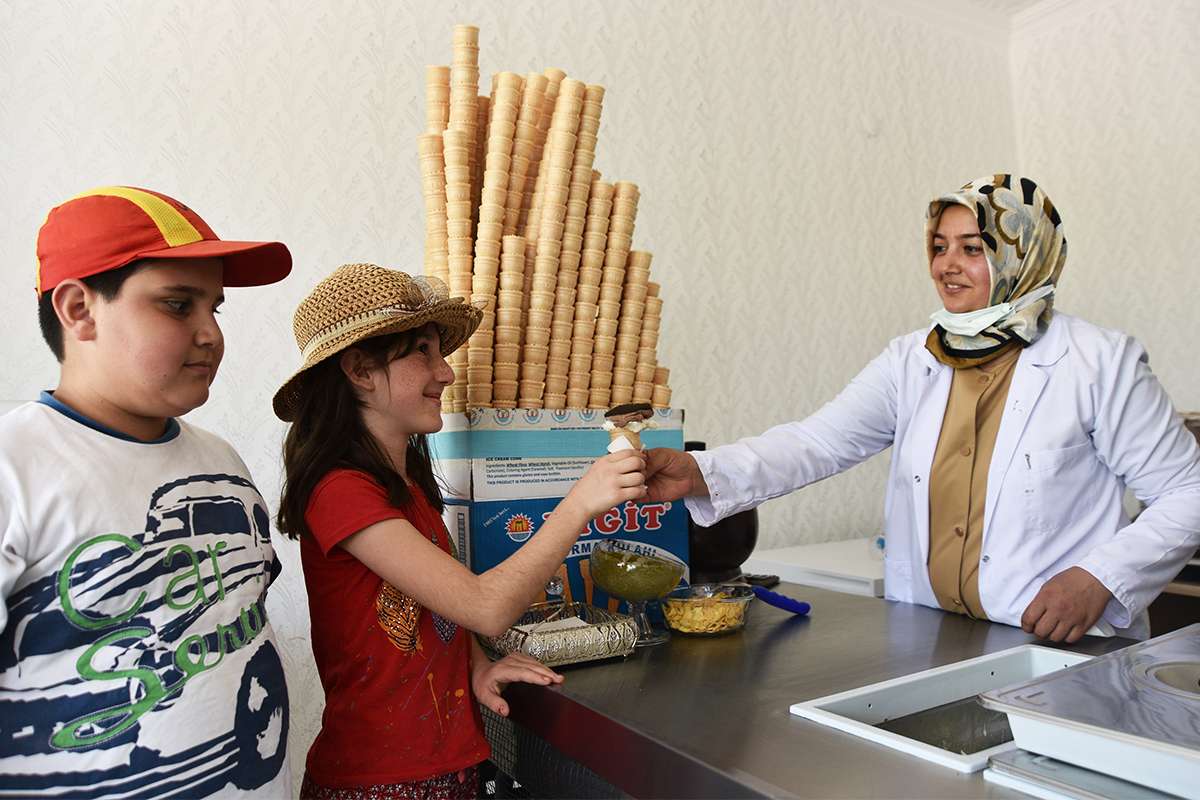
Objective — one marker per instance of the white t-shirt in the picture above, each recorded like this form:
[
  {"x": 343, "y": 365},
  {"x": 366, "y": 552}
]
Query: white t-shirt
[{"x": 135, "y": 654}]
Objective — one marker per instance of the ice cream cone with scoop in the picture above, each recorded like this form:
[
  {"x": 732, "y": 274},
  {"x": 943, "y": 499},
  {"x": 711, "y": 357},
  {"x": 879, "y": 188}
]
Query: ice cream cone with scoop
[{"x": 625, "y": 424}]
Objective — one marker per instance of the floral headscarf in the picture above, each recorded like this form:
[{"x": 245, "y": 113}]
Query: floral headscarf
[{"x": 1025, "y": 248}]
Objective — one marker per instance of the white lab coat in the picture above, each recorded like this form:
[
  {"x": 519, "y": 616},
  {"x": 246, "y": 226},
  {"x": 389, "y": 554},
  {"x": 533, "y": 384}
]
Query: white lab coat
[{"x": 1084, "y": 418}]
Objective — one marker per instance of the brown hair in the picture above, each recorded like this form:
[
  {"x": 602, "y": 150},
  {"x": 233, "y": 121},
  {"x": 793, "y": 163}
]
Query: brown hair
[{"x": 328, "y": 433}]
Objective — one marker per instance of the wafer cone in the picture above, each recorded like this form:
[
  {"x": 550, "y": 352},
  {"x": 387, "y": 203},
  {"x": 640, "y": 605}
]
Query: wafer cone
[
  {"x": 508, "y": 316},
  {"x": 627, "y": 342},
  {"x": 581, "y": 362},
  {"x": 550, "y": 190},
  {"x": 536, "y": 336},
  {"x": 490, "y": 230},
  {"x": 526, "y": 130},
  {"x": 560, "y": 348},
  {"x": 608, "y": 311},
  {"x": 478, "y": 154},
  {"x": 464, "y": 99},
  {"x": 625, "y": 359},
  {"x": 644, "y": 372},
  {"x": 631, "y": 313},
  {"x": 577, "y": 398},
  {"x": 506, "y": 353},
  {"x": 611, "y": 293},
  {"x": 437, "y": 98},
  {"x": 554, "y": 77},
  {"x": 577, "y": 380},
  {"x": 508, "y": 335},
  {"x": 504, "y": 392},
  {"x": 603, "y": 346},
  {"x": 530, "y": 393},
  {"x": 505, "y": 371},
  {"x": 436, "y": 267},
  {"x": 458, "y": 361},
  {"x": 532, "y": 371},
  {"x": 512, "y": 280},
  {"x": 429, "y": 148},
  {"x": 620, "y": 393},
  {"x": 654, "y": 306}
]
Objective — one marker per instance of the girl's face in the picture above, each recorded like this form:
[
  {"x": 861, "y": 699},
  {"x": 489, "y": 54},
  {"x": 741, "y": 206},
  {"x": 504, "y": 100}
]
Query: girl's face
[
  {"x": 408, "y": 390},
  {"x": 959, "y": 268}
]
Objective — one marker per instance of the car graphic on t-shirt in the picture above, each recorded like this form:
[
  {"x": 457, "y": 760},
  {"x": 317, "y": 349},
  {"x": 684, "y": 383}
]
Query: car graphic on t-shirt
[{"x": 137, "y": 668}]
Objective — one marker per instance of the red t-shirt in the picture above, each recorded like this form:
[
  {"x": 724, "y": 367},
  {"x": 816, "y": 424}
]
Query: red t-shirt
[{"x": 397, "y": 679}]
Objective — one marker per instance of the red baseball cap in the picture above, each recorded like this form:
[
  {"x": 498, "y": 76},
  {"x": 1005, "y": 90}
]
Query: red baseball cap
[{"x": 106, "y": 228}]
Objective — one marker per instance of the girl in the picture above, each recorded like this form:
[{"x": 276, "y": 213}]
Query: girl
[{"x": 391, "y": 606}]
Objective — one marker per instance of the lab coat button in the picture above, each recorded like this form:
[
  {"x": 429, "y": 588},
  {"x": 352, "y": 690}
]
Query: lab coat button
[{"x": 985, "y": 559}]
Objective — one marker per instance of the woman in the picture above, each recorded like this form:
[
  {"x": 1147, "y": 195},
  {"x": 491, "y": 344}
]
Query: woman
[{"x": 1015, "y": 432}]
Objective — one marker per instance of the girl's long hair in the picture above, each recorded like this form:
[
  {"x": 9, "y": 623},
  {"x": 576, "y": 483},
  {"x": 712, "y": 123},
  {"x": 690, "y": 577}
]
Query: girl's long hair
[{"x": 328, "y": 433}]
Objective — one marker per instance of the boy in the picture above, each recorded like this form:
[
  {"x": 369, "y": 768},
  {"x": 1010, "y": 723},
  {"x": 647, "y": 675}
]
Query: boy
[{"x": 135, "y": 654}]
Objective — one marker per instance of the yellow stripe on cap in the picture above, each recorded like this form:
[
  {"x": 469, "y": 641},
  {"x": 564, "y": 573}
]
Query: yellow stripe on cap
[{"x": 173, "y": 226}]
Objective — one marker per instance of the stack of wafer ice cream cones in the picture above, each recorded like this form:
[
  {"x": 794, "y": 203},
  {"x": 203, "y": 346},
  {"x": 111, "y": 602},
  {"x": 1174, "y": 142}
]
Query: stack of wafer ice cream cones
[
  {"x": 546, "y": 217},
  {"x": 519, "y": 222},
  {"x": 587, "y": 293}
]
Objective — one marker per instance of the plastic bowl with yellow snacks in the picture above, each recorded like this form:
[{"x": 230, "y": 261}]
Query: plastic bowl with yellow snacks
[{"x": 707, "y": 609}]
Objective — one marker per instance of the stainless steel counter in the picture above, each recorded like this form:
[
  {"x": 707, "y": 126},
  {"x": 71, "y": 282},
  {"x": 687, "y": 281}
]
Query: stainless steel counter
[{"x": 709, "y": 717}]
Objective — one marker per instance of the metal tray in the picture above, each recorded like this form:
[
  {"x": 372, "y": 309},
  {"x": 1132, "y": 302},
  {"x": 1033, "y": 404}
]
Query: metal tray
[
  {"x": 1049, "y": 779},
  {"x": 933, "y": 714},
  {"x": 593, "y": 634},
  {"x": 1133, "y": 714}
]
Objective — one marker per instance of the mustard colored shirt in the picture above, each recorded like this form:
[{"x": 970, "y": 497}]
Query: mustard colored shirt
[{"x": 958, "y": 480}]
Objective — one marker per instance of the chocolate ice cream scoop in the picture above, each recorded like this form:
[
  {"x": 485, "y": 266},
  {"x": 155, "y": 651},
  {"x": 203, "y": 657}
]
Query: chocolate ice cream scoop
[{"x": 625, "y": 423}]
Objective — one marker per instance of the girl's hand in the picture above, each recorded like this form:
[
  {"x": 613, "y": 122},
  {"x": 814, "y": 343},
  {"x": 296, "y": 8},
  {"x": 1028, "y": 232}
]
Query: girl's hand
[
  {"x": 611, "y": 481},
  {"x": 488, "y": 678}
]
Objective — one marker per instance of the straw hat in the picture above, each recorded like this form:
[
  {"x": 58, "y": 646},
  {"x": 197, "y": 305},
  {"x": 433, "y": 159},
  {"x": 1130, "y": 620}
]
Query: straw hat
[{"x": 359, "y": 301}]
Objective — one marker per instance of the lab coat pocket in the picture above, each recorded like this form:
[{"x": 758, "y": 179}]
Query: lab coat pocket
[{"x": 1058, "y": 484}]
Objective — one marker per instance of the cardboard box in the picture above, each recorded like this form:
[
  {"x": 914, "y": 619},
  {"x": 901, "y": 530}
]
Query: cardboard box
[{"x": 505, "y": 471}]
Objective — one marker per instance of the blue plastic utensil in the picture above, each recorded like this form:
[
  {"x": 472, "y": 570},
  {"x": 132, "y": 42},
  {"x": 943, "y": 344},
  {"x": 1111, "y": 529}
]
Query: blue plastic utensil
[{"x": 797, "y": 607}]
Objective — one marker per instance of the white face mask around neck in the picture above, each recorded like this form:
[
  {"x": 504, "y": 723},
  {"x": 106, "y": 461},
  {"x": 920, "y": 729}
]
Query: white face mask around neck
[{"x": 972, "y": 323}]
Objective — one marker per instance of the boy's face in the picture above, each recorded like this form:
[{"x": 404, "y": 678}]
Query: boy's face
[{"x": 157, "y": 344}]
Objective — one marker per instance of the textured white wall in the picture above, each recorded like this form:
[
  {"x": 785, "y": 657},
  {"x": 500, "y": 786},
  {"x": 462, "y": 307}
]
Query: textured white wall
[
  {"x": 785, "y": 151},
  {"x": 1107, "y": 109}
]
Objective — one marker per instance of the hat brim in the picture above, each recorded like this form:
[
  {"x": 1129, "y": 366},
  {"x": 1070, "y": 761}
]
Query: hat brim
[
  {"x": 455, "y": 319},
  {"x": 246, "y": 263}
]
